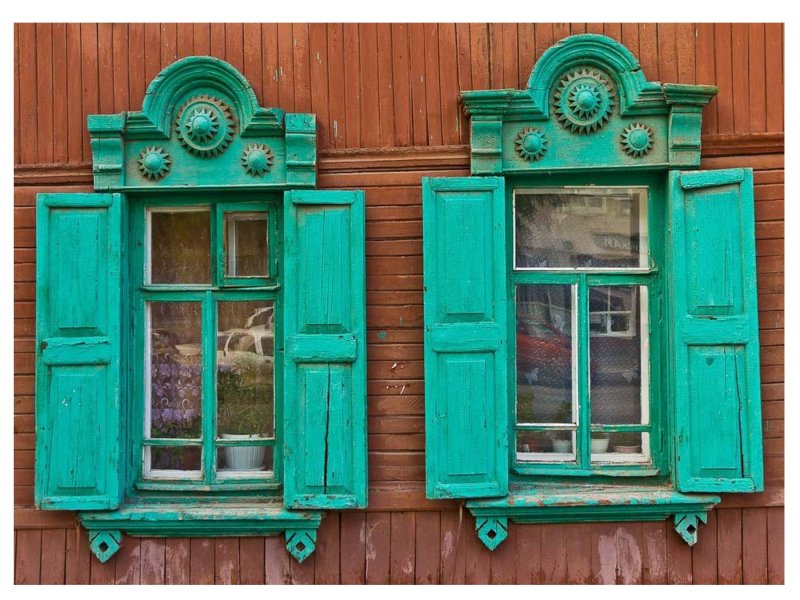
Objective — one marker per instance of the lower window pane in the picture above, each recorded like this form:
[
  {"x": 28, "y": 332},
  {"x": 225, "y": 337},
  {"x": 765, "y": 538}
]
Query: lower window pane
[
  {"x": 616, "y": 447},
  {"x": 175, "y": 370},
  {"x": 545, "y": 445},
  {"x": 545, "y": 356},
  {"x": 245, "y": 369},
  {"x": 242, "y": 461},
  {"x": 618, "y": 354},
  {"x": 185, "y": 458}
]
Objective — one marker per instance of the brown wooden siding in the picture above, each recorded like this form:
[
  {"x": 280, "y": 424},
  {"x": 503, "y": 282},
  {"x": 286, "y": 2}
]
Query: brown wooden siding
[{"x": 386, "y": 98}]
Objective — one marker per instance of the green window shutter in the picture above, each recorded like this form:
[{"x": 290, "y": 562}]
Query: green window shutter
[
  {"x": 325, "y": 377},
  {"x": 78, "y": 282},
  {"x": 715, "y": 323},
  {"x": 466, "y": 406}
]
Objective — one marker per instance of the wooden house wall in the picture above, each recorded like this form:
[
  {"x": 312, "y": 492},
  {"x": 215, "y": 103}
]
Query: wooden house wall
[{"x": 386, "y": 100}]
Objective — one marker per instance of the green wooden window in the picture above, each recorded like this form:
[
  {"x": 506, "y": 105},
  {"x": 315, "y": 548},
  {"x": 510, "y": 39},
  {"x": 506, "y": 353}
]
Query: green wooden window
[{"x": 207, "y": 314}]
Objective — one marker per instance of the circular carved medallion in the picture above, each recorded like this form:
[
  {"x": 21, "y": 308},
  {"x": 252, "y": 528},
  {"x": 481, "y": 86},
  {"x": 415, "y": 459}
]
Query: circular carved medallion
[
  {"x": 154, "y": 163},
  {"x": 257, "y": 159},
  {"x": 205, "y": 126},
  {"x": 583, "y": 100},
  {"x": 531, "y": 144},
  {"x": 637, "y": 140}
]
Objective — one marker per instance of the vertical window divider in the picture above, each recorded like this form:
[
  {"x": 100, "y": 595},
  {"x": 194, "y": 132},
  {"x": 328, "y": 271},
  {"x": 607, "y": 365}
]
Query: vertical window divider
[
  {"x": 584, "y": 436},
  {"x": 209, "y": 355}
]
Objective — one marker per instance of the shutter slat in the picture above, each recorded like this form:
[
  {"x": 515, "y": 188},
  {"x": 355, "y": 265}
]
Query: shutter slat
[
  {"x": 466, "y": 435},
  {"x": 715, "y": 345},
  {"x": 325, "y": 463}
]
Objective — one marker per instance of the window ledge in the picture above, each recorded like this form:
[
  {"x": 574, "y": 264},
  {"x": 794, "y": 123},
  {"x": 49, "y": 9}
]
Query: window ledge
[
  {"x": 202, "y": 520},
  {"x": 582, "y": 503}
]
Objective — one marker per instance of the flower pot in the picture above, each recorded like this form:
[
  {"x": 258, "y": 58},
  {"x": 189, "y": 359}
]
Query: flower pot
[
  {"x": 243, "y": 458},
  {"x": 634, "y": 449},
  {"x": 562, "y": 446},
  {"x": 599, "y": 445}
]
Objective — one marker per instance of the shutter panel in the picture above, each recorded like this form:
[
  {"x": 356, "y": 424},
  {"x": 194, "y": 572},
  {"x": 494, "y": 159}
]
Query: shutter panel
[
  {"x": 78, "y": 282},
  {"x": 466, "y": 405},
  {"x": 715, "y": 324},
  {"x": 325, "y": 383}
]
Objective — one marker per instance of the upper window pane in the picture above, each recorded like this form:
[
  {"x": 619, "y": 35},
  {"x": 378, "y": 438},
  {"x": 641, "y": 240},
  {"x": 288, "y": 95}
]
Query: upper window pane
[
  {"x": 246, "y": 244},
  {"x": 572, "y": 228},
  {"x": 179, "y": 246}
]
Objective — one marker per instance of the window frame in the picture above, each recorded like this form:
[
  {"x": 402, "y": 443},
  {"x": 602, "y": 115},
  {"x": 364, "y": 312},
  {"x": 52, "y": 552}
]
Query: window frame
[
  {"x": 658, "y": 467},
  {"x": 220, "y": 288}
]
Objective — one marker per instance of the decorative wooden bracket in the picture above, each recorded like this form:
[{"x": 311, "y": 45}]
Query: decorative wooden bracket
[
  {"x": 104, "y": 544},
  {"x": 687, "y": 524},
  {"x": 492, "y": 531},
  {"x": 301, "y": 543}
]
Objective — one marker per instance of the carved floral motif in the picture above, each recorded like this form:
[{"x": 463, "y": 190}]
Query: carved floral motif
[
  {"x": 205, "y": 126},
  {"x": 257, "y": 159},
  {"x": 531, "y": 144},
  {"x": 583, "y": 100},
  {"x": 154, "y": 163},
  {"x": 637, "y": 140}
]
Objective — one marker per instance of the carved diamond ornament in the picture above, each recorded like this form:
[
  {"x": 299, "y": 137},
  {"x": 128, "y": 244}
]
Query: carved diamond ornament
[
  {"x": 154, "y": 163},
  {"x": 205, "y": 126},
  {"x": 257, "y": 159},
  {"x": 637, "y": 140},
  {"x": 531, "y": 144},
  {"x": 104, "y": 544},
  {"x": 583, "y": 100}
]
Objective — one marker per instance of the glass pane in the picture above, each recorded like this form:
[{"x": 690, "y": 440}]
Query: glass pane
[
  {"x": 245, "y": 368},
  {"x": 626, "y": 446},
  {"x": 246, "y": 244},
  {"x": 180, "y": 246},
  {"x": 545, "y": 445},
  {"x": 186, "y": 458},
  {"x": 617, "y": 352},
  {"x": 581, "y": 227},
  {"x": 175, "y": 370},
  {"x": 233, "y": 461},
  {"x": 545, "y": 354}
]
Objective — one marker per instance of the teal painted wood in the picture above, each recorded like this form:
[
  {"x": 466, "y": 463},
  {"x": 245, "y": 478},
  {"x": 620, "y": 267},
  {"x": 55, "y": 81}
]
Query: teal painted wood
[
  {"x": 201, "y": 126},
  {"x": 714, "y": 314},
  {"x": 78, "y": 377},
  {"x": 466, "y": 420},
  {"x": 587, "y": 105},
  {"x": 325, "y": 365}
]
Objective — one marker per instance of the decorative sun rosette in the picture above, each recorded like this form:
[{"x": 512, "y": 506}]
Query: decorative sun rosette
[
  {"x": 154, "y": 163},
  {"x": 257, "y": 159},
  {"x": 205, "y": 126},
  {"x": 637, "y": 139},
  {"x": 583, "y": 100},
  {"x": 531, "y": 144}
]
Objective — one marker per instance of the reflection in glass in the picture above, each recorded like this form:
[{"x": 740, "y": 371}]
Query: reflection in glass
[
  {"x": 185, "y": 458},
  {"x": 175, "y": 373},
  {"x": 235, "y": 461},
  {"x": 550, "y": 443},
  {"x": 581, "y": 227},
  {"x": 617, "y": 350},
  {"x": 246, "y": 244},
  {"x": 545, "y": 354},
  {"x": 179, "y": 246},
  {"x": 245, "y": 369}
]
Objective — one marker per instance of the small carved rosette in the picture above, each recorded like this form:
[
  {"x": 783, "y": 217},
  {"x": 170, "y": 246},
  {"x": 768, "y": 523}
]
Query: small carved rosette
[
  {"x": 583, "y": 100},
  {"x": 637, "y": 140},
  {"x": 257, "y": 159},
  {"x": 154, "y": 163},
  {"x": 205, "y": 126},
  {"x": 531, "y": 144}
]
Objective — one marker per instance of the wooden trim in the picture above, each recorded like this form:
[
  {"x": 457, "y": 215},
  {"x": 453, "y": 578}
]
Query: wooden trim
[{"x": 429, "y": 158}]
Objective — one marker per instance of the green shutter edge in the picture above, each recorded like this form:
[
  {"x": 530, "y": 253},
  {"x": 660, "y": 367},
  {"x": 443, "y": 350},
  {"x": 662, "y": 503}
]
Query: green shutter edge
[{"x": 523, "y": 132}]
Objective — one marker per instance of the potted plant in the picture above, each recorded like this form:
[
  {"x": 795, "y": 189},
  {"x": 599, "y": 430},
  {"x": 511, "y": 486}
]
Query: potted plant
[
  {"x": 245, "y": 403},
  {"x": 627, "y": 442},
  {"x": 599, "y": 443},
  {"x": 562, "y": 439}
]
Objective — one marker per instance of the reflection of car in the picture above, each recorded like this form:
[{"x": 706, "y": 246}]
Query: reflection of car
[{"x": 544, "y": 354}]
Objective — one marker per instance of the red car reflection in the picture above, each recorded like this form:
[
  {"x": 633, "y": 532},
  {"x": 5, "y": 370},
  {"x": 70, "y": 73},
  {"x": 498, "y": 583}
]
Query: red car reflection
[{"x": 544, "y": 354}]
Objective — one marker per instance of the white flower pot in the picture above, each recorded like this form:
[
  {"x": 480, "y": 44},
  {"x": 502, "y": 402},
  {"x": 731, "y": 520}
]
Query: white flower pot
[
  {"x": 599, "y": 445},
  {"x": 562, "y": 446},
  {"x": 243, "y": 458}
]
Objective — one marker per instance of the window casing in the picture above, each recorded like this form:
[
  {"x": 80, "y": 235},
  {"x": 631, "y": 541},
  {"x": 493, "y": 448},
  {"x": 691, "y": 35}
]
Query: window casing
[{"x": 207, "y": 301}]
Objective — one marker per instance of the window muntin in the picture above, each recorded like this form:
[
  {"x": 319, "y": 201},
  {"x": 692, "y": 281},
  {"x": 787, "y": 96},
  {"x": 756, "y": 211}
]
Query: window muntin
[
  {"x": 209, "y": 405},
  {"x": 607, "y": 268}
]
